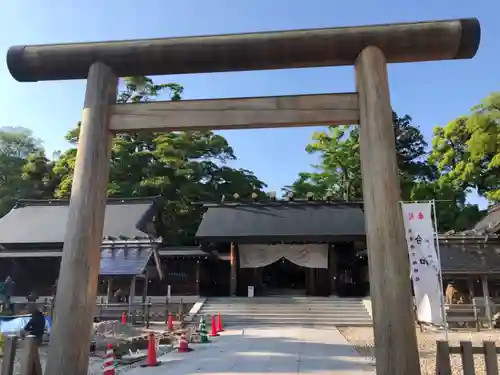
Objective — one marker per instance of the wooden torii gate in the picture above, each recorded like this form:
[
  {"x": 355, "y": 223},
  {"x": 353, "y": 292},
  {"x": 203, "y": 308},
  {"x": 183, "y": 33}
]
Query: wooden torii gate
[{"x": 368, "y": 48}]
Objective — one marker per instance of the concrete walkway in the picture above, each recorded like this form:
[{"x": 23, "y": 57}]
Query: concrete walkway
[{"x": 282, "y": 351}]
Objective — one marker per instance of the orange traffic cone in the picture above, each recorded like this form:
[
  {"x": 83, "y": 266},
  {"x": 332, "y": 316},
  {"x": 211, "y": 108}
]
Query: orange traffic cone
[
  {"x": 213, "y": 331},
  {"x": 151, "y": 360},
  {"x": 219, "y": 323},
  {"x": 109, "y": 361},
  {"x": 124, "y": 318},
  {"x": 170, "y": 323},
  {"x": 183, "y": 344}
]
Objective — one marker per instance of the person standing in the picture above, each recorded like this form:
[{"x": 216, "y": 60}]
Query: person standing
[
  {"x": 36, "y": 325},
  {"x": 8, "y": 290}
]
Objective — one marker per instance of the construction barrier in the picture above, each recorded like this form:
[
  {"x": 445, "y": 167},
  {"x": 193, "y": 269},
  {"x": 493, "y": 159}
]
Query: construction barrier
[
  {"x": 151, "y": 359},
  {"x": 108, "y": 367},
  {"x": 213, "y": 331},
  {"x": 203, "y": 331},
  {"x": 219, "y": 323}
]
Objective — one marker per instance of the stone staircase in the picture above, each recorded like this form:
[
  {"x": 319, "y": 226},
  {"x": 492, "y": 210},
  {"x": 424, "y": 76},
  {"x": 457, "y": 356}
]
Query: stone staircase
[{"x": 288, "y": 310}]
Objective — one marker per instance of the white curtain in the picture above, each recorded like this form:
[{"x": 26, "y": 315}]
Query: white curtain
[{"x": 309, "y": 255}]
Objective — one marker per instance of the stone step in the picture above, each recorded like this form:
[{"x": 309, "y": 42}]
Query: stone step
[
  {"x": 287, "y": 308},
  {"x": 289, "y": 311},
  {"x": 216, "y": 309},
  {"x": 298, "y": 321},
  {"x": 276, "y": 305},
  {"x": 248, "y": 303},
  {"x": 324, "y": 323},
  {"x": 291, "y": 316},
  {"x": 284, "y": 309},
  {"x": 310, "y": 324},
  {"x": 269, "y": 301},
  {"x": 290, "y": 306}
]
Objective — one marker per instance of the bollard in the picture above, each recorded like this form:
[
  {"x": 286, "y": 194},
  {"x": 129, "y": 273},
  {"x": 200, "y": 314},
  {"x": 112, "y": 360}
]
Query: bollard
[
  {"x": 30, "y": 361},
  {"x": 166, "y": 310},
  {"x": 181, "y": 313},
  {"x": 9, "y": 355}
]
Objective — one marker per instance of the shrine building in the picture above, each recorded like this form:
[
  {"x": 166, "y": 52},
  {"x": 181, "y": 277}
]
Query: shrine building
[{"x": 277, "y": 247}]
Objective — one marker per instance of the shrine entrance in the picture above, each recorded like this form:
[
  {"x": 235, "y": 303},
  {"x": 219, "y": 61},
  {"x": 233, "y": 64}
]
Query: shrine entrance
[{"x": 284, "y": 277}]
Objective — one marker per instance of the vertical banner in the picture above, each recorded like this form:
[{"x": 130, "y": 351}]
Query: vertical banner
[{"x": 424, "y": 261}]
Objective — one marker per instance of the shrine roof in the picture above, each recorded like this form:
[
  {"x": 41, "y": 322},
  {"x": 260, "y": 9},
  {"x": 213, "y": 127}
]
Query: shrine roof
[
  {"x": 491, "y": 222},
  {"x": 470, "y": 259},
  {"x": 311, "y": 221},
  {"x": 124, "y": 261},
  {"x": 32, "y": 222}
]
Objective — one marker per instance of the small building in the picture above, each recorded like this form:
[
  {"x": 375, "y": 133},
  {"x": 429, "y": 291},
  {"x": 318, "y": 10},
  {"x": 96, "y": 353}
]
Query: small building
[
  {"x": 327, "y": 240},
  {"x": 32, "y": 237},
  {"x": 471, "y": 259},
  {"x": 309, "y": 247}
]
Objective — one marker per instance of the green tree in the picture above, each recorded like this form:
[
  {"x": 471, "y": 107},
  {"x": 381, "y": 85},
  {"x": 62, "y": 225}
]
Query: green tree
[
  {"x": 452, "y": 210},
  {"x": 339, "y": 172},
  {"x": 16, "y": 147},
  {"x": 183, "y": 167},
  {"x": 39, "y": 177},
  {"x": 339, "y": 169},
  {"x": 467, "y": 150}
]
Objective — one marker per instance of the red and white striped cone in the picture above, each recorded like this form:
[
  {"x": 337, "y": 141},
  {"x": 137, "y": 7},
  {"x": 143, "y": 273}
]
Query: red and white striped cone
[{"x": 109, "y": 361}]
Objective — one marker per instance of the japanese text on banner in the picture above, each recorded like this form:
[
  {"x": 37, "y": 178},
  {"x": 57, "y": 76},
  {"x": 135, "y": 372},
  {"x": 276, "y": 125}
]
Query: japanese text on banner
[{"x": 424, "y": 261}]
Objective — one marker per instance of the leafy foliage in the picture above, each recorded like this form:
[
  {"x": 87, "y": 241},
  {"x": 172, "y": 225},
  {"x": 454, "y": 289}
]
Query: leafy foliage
[
  {"x": 339, "y": 173},
  {"x": 18, "y": 153},
  {"x": 182, "y": 167},
  {"x": 467, "y": 150}
]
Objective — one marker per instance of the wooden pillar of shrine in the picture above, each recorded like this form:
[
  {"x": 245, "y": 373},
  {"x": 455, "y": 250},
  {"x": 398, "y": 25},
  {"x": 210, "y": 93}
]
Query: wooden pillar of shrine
[
  {"x": 109, "y": 289},
  {"x": 198, "y": 277},
  {"x": 77, "y": 286},
  {"x": 486, "y": 296},
  {"x": 234, "y": 269},
  {"x": 396, "y": 347}
]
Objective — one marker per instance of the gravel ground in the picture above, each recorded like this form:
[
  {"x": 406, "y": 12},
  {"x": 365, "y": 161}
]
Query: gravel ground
[
  {"x": 104, "y": 333},
  {"x": 362, "y": 339}
]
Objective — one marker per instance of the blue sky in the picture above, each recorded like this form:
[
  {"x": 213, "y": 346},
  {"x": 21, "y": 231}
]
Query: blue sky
[{"x": 433, "y": 93}]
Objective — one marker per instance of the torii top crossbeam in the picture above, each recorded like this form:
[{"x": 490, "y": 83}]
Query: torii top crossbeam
[{"x": 404, "y": 42}]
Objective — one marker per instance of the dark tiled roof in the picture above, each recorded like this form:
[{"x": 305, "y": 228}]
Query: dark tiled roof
[
  {"x": 45, "y": 221},
  {"x": 282, "y": 221},
  {"x": 478, "y": 258},
  {"x": 128, "y": 260},
  {"x": 491, "y": 222}
]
